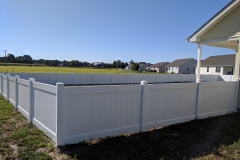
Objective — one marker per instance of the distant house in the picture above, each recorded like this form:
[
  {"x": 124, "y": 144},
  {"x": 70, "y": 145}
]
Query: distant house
[
  {"x": 129, "y": 67},
  {"x": 158, "y": 67},
  {"x": 221, "y": 64},
  {"x": 98, "y": 64},
  {"x": 185, "y": 66}
]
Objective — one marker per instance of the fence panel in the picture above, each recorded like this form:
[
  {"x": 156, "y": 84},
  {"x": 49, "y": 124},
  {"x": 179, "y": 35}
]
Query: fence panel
[
  {"x": 1, "y": 89},
  {"x": 163, "y": 78},
  {"x": 151, "y": 78},
  {"x": 65, "y": 78},
  {"x": 135, "y": 78},
  {"x": 226, "y": 78},
  {"x": 12, "y": 92},
  {"x": 4, "y": 86},
  {"x": 102, "y": 79},
  {"x": 216, "y": 98},
  {"x": 23, "y": 97},
  {"x": 45, "y": 108},
  {"x": 210, "y": 78},
  {"x": 82, "y": 79},
  {"x": 120, "y": 78},
  {"x": 170, "y": 104},
  {"x": 99, "y": 111}
]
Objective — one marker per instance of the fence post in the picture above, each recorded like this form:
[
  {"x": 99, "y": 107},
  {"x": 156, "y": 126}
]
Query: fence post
[
  {"x": 236, "y": 96},
  {"x": 92, "y": 77},
  {"x": 143, "y": 109},
  {"x": 60, "y": 113},
  {"x": 111, "y": 79},
  {"x": 31, "y": 100},
  {"x": 8, "y": 87},
  {"x": 197, "y": 99},
  {"x": 16, "y": 91},
  {"x": 48, "y": 78},
  {"x": 2, "y": 84}
]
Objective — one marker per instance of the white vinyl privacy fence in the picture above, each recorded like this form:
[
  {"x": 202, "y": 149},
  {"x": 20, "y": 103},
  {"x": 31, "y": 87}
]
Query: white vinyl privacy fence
[
  {"x": 83, "y": 79},
  {"x": 73, "y": 114}
]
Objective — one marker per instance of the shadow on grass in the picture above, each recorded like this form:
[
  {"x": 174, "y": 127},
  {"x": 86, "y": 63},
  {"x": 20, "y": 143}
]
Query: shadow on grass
[{"x": 182, "y": 141}]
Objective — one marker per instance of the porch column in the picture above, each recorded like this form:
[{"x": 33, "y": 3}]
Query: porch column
[
  {"x": 237, "y": 60},
  {"x": 198, "y": 78}
]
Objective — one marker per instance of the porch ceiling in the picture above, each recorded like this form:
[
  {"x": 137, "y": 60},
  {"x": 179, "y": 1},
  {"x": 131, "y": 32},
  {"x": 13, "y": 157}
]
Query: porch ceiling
[{"x": 231, "y": 44}]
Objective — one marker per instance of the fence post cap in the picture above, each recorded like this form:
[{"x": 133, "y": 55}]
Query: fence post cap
[
  {"x": 144, "y": 82},
  {"x": 32, "y": 79},
  {"x": 59, "y": 83}
]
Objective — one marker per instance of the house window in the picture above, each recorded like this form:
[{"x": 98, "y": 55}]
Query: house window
[
  {"x": 218, "y": 69},
  {"x": 207, "y": 69},
  {"x": 187, "y": 69},
  {"x": 193, "y": 69}
]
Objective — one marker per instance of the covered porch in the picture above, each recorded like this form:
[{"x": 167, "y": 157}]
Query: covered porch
[{"x": 222, "y": 30}]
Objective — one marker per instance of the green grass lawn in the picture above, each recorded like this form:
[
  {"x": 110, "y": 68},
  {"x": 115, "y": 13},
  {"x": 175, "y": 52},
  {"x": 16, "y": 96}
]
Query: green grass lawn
[
  {"x": 46, "y": 69},
  {"x": 213, "y": 138}
]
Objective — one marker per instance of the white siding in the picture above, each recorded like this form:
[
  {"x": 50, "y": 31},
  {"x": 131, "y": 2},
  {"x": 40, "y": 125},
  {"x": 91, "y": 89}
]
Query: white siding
[{"x": 227, "y": 27}]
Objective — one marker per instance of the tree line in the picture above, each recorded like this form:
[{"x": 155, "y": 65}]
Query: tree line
[{"x": 27, "y": 59}]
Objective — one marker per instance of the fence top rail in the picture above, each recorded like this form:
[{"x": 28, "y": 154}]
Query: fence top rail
[
  {"x": 23, "y": 82},
  {"x": 12, "y": 79},
  {"x": 218, "y": 83},
  {"x": 101, "y": 89},
  {"x": 172, "y": 86},
  {"x": 44, "y": 87}
]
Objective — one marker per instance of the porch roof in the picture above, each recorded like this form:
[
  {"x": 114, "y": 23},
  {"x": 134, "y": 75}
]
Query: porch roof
[{"x": 222, "y": 30}]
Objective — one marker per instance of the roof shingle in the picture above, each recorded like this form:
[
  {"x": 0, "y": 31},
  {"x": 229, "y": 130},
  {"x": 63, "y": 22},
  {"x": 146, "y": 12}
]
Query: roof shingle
[
  {"x": 158, "y": 65},
  {"x": 221, "y": 60},
  {"x": 179, "y": 62}
]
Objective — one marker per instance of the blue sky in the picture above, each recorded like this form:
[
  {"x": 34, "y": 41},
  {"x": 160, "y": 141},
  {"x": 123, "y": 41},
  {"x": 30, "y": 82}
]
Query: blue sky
[{"x": 105, "y": 30}]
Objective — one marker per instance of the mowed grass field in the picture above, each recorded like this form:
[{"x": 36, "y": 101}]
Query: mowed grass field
[{"x": 47, "y": 69}]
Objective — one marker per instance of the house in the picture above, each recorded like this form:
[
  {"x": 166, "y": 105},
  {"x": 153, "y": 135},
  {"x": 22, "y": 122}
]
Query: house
[
  {"x": 222, "y": 30},
  {"x": 129, "y": 67},
  {"x": 221, "y": 64},
  {"x": 158, "y": 67},
  {"x": 142, "y": 66},
  {"x": 98, "y": 64},
  {"x": 185, "y": 66}
]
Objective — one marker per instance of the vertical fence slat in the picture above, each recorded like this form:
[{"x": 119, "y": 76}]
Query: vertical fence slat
[
  {"x": 31, "y": 100},
  {"x": 16, "y": 91},
  {"x": 2, "y": 84},
  {"x": 8, "y": 87},
  {"x": 144, "y": 104},
  {"x": 60, "y": 113}
]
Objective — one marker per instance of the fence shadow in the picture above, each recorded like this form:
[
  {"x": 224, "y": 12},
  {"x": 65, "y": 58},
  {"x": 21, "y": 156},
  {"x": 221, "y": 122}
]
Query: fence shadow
[{"x": 182, "y": 141}]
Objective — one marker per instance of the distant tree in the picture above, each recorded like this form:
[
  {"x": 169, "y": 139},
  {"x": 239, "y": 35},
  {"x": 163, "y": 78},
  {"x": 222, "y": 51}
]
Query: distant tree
[
  {"x": 41, "y": 61},
  {"x": 118, "y": 64},
  {"x": 135, "y": 67},
  {"x": 114, "y": 64},
  {"x": 131, "y": 62},
  {"x": 122, "y": 65},
  {"x": 19, "y": 59},
  {"x": 11, "y": 58},
  {"x": 126, "y": 64},
  {"x": 27, "y": 59},
  {"x": 65, "y": 63}
]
